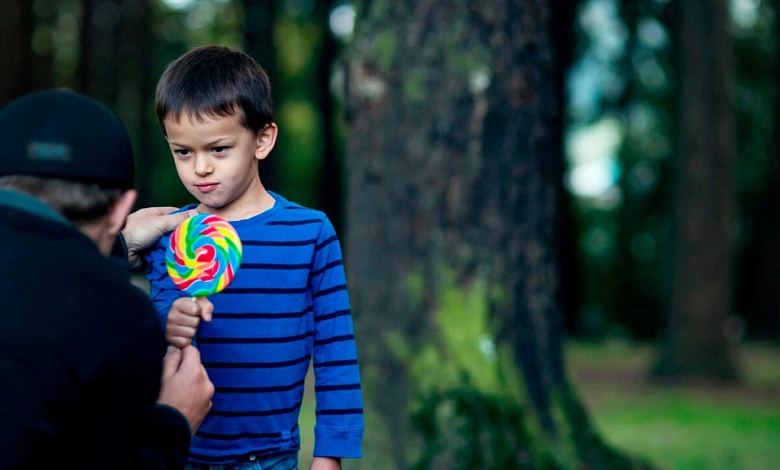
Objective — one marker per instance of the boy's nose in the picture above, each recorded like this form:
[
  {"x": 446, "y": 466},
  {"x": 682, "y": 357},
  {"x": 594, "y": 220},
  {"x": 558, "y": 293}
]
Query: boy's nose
[{"x": 202, "y": 166}]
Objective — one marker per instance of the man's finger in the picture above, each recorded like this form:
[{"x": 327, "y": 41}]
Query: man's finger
[
  {"x": 190, "y": 356},
  {"x": 156, "y": 211},
  {"x": 180, "y": 217},
  {"x": 171, "y": 362}
]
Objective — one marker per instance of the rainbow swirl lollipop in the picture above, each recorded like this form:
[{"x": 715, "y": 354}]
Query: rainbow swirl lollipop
[{"x": 203, "y": 255}]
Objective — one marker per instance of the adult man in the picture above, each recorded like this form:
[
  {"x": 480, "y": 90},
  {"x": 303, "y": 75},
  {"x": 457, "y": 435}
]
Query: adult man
[{"x": 82, "y": 375}]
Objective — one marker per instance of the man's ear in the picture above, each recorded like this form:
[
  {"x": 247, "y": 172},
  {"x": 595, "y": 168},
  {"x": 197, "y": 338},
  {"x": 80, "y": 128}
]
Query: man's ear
[
  {"x": 117, "y": 215},
  {"x": 266, "y": 139}
]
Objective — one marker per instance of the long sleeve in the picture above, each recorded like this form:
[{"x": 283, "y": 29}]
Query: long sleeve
[{"x": 339, "y": 409}]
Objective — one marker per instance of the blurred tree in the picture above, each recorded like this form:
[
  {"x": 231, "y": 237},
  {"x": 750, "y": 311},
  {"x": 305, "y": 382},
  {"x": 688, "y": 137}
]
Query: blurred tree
[
  {"x": 115, "y": 67},
  {"x": 695, "y": 343},
  {"x": 455, "y": 211},
  {"x": 15, "y": 49},
  {"x": 331, "y": 176},
  {"x": 297, "y": 158},
  {"x": 758, "y": 296},
  {"x": 618, "y": 144},
  {"x": 27, "y": 44},
  {"x": 642, "y": 216},
  {"x": 259, "y": 17}
]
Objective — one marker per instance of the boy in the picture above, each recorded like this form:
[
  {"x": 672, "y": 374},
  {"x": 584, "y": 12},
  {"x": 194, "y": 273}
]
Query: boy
[{"x": 287, "y": 305}]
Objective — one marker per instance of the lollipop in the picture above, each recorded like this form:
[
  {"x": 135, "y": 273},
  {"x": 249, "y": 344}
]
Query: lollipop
[{"x": 203, "y": 255}]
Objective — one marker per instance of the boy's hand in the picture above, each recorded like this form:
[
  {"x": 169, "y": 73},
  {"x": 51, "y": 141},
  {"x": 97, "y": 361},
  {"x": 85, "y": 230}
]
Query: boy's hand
[
  {"x": 184, "y": 317},
  {"x": 325, "y": 463}
]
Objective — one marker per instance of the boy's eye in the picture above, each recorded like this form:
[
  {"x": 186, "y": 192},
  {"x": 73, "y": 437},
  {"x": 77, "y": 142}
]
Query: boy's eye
[
  {"x": 222, "y": 149},
  {"x": 182, "y": 152}
]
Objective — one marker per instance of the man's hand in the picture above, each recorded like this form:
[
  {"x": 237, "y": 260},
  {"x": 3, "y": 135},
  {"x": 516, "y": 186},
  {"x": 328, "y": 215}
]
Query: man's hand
[
  {"x": 186, "y": 385},
  {"x": 184, "y": 317},
  {"x": 325, "y": 463},
  {"x": 145, "y": 226}
]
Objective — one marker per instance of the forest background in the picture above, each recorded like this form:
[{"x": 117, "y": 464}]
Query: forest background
[{"x": 649, "y": 129}]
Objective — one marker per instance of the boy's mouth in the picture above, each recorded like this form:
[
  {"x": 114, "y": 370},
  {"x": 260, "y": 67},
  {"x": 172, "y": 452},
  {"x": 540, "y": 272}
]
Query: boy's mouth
[{"x": 206, "y": 187}]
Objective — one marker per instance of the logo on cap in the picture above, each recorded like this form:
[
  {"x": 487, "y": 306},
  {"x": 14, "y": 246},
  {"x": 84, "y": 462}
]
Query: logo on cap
[{"x": 49, "y": 151}]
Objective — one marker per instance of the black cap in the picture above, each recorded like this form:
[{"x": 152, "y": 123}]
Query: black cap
[{"x": 66, "y": 135}]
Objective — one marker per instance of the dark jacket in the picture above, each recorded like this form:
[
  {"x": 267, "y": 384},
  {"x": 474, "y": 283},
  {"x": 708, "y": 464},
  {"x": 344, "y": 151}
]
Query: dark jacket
[{"x": 80, "y": 355}]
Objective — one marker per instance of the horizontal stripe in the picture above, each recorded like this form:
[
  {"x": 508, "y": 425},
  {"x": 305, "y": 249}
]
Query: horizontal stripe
[
  {"x": 334, "y": 339},
  {"x": 279, "y": 267},
  {"x": 345, "y": 362},
  {"x": 261, "y": 316},
  {"x": 330, "y": 316},
  {"x": 275, "y": 340},
  {"x": 328, "y": 266},
  {"x": 326, "y": 242},
  {"x": 289, "y": 223},
  {"x": 235, "y": 437},
  {"x": 337, "y": 388},
  {"x": 239, "y": 414},
  {"x": 348, "y": 411},
  {"x": 279, "y": 388},
  {"x": 323, "y": 292},
  {"x": 255, "y": 365},
  {"x": 263, "y": 290},
  {"x": 311, "y": 241}
]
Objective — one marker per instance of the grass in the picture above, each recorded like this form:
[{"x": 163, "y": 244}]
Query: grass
[{"x": 701, "y": 427}]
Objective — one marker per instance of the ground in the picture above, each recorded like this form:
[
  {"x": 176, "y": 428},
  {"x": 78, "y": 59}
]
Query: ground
[{"x": 696, "y": 426}]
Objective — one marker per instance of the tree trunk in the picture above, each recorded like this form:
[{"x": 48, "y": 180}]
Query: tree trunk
[
  {"x": 758, "y": 298},
  {"x": 454, "y": 210},
  {"x": 15, "y": 49},
  {"x": 135, "y": 88},
  {"x": 696, "y": 345},
  {"x": 259, "y": 16},
  {"x": 115, "y": 68},
  {"x": 331, "y": 177}
]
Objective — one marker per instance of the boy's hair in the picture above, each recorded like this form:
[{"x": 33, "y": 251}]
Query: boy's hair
[
  {"x": 215, "y": 81},
  {"x": 78, "y": 202}
]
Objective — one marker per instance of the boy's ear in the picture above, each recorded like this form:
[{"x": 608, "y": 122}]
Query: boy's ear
[{"x": 266, "y": 139}]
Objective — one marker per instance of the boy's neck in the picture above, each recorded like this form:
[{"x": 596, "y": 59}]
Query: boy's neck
[{"x": 250, "y": 204}]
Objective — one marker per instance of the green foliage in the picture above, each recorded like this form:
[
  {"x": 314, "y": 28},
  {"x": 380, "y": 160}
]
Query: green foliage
[
  {"x": 470, "y": 408},
  {"x": 464, "y": 343},
  {"x": 386, "y": 51},
  {"x": 464, "y": 428}
]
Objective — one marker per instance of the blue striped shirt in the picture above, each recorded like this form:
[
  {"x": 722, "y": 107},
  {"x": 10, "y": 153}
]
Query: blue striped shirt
[{"x": 287, "y": 307}]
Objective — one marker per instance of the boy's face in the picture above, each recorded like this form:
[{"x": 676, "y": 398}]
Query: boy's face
[{"x": 216, "y": 158}]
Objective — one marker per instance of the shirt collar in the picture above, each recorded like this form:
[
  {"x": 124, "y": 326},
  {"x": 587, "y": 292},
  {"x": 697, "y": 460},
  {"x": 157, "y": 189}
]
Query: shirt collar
[{"x": 27, "y": 203}]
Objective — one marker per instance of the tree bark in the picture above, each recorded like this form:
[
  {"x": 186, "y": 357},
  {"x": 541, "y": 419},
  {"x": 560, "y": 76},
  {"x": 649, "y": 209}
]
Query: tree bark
[
  {"x": 259, "y": 17},
  {"x": 15, "y": 49},
  {"x": 454, "y": 244},
  {"x": 757, "y": 296},
  {"x": 696, "y": 345}
]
